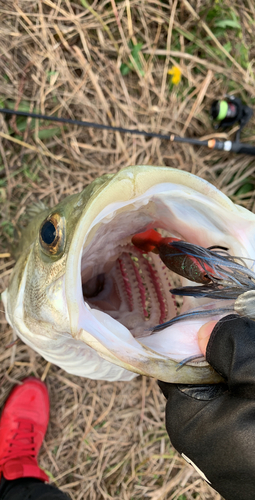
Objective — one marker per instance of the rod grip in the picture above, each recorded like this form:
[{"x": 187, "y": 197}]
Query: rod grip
[{"x": 240, "y": 148}]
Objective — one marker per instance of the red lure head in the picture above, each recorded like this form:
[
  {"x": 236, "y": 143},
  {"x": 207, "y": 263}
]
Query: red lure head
[
  {"x": 150, "y": 241},
  {"x": 181, "y": 263},
  {"x": 147, "y": 241}
]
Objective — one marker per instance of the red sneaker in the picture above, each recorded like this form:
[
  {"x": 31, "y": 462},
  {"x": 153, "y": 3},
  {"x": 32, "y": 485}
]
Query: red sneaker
[{"x": 23, "y": 425}]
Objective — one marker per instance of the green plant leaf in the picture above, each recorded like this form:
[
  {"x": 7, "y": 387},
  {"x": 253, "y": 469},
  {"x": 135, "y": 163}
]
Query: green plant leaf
[
  {"x": 244, "y": 189},
  {"x": 136, "y": 49},
  {"x": 228, "y": 23},
  {"x": 23, "y": 106},
  {"x": 227, "y": 46},
  {"x": 124, "y": 69},
  {"x": 242, "y": 55},
  {"x": 48, "y": 132},
  {"x": 135, "y": 54},
  {"x": 7, "y": 228},
  {"x": 21, "y": 123}
]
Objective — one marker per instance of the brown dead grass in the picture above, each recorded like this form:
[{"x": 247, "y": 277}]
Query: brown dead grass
[{"x": 105, "y": 440}]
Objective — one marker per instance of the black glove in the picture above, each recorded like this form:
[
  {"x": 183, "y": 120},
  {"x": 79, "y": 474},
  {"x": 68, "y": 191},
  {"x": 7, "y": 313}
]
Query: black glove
[{"x": 213, "y": 427}]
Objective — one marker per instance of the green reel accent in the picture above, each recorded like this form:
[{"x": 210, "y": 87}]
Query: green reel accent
[{"x": 223, "y": 109}]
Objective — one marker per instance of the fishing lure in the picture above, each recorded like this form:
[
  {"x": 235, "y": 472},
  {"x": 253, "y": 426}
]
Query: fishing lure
[
  {"x": 221, "y": 276},
  {"x": 174, "y": 257}
]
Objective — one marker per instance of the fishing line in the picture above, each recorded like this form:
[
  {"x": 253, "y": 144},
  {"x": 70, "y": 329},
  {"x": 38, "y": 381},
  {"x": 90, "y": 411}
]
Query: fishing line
[
  {"x": 225, "y": 112},
  {"x": 190, "y": 358}
]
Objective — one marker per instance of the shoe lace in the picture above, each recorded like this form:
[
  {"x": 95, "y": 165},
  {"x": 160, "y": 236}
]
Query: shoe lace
[{"x": 22, "y": 442}]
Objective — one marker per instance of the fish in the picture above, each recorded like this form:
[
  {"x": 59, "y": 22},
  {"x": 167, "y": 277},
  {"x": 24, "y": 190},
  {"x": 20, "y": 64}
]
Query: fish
[{"x": 88, "y": 300}]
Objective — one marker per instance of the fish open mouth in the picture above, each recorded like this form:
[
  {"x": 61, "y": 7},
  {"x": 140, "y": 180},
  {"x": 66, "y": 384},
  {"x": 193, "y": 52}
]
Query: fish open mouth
[
  {"x": 131, "y": 286},
  {"x": 122, "y": 292}
]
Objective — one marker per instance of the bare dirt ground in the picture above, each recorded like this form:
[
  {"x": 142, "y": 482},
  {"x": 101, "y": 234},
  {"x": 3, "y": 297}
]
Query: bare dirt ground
[{"x": 108, "y": 62}]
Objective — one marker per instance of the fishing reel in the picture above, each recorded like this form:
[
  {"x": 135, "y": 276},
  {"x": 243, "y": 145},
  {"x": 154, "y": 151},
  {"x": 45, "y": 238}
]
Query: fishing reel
[{"x": 229, "y": 111}]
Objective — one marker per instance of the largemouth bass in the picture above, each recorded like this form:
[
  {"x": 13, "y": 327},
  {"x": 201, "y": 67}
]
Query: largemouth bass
[{"x": 85, "y": 298}]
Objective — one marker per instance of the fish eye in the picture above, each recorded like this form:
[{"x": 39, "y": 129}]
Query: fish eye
[
  {"x": 48, "y": 232},
  {"x": 52, "y": 235}
]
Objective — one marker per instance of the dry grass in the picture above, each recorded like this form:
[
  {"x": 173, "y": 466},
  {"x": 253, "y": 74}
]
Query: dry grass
[{"x": 108, "y": 441}]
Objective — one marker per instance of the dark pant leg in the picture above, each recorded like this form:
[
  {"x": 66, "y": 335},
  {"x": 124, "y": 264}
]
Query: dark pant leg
[{"x": 29, "y": 488}]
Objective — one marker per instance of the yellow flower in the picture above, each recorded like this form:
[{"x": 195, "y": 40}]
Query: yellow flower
[{"x": 176, "y": 75}]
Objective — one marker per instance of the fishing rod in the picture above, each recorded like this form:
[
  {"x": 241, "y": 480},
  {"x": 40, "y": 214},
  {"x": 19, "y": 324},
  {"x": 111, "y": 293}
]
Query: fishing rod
[{"x": 225, "y": 112}]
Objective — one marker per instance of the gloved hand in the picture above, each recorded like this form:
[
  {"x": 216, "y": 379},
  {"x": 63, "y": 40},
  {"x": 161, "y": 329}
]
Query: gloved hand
[{"x": 213, "y": 427}]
